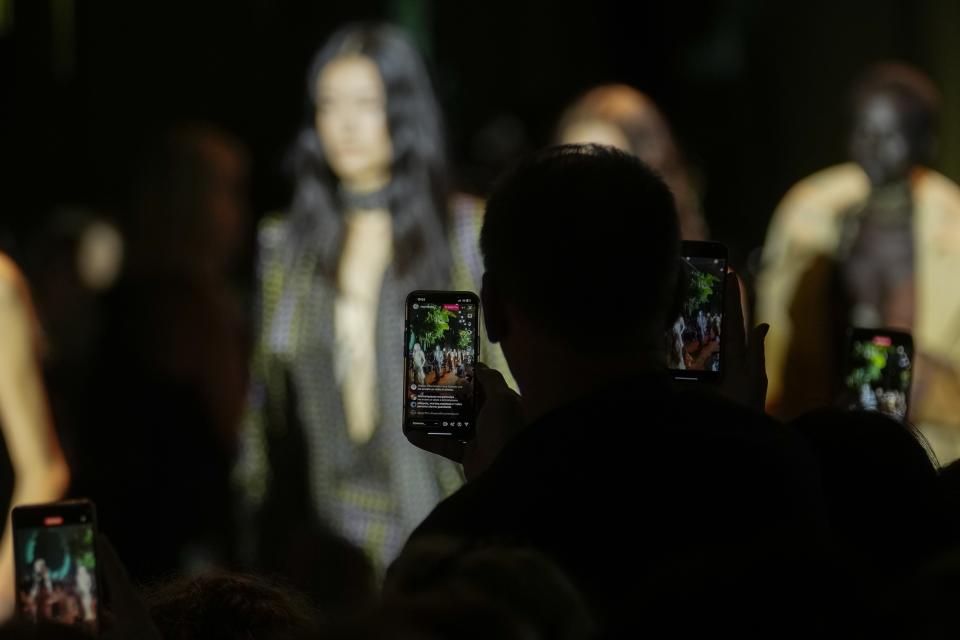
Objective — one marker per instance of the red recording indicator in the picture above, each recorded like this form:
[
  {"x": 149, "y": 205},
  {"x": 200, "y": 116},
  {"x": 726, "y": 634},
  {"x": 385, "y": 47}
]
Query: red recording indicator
[
  {"x": 451, "y": 307},
  {"x": 882, "y": 341},
  {"x": 53, "y": 521}
]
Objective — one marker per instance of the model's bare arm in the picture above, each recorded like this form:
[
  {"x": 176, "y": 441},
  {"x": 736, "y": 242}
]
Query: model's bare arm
[{"x": 40, "y": 471}]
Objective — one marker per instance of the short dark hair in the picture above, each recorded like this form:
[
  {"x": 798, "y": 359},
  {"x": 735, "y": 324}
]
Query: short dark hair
[
  {"x": 578, "y": 230},
  {"x": 915, "y": 94},
  {"x": 499, "y": 575},
  {"x": 225, "y": 605}
]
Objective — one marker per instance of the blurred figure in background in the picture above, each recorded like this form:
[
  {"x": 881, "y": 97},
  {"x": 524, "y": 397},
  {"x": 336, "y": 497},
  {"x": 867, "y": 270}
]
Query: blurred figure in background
[
  {"x": 190, "y": 226},
  {"x": 870, "y": 243},
  {"x": 322, "y": 438},
  {"x": 40, "y": 472},
  {"x": 616, "y": 115},
  {"x": 170, "y": 375},
  {"x": 884, "y": 497},
  {"x": 620, "y": 116}
]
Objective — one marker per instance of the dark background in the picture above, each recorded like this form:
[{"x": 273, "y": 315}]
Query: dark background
[{"x": 755, "y": 90}]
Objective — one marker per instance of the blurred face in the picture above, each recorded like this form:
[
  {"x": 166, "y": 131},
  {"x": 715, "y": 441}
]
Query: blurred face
[
  {"x": 351, "y": 120},
  {"x": 879, "y": 142}
]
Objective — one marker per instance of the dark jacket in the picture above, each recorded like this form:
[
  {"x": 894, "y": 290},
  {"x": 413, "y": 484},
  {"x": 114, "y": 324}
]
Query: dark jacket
[{"x": 655, "y": 501}]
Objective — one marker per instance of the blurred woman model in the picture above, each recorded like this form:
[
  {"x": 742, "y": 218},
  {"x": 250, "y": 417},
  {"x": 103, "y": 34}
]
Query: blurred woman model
[{"x": 366, "y": 227}]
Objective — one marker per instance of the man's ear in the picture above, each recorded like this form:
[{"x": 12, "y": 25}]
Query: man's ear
[{"x": 494, "y": 314}]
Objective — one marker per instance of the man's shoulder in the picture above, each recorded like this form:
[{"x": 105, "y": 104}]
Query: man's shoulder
[
  {"x": 745, "y": 447},
  {"x": 694, "y": 445},
  {"x": 602, "y": 439},
  {"x": 700, "y": 399},
  {"x": 713, "y": 417}
]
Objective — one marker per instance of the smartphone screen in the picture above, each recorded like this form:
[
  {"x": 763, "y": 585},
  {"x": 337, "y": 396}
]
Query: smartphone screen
[
  {"x": 55, "y": 563},
  {"x": 694, "y": 340},
  {"x": 879, "y": 372},
  {"x": 441, "y": 346}
]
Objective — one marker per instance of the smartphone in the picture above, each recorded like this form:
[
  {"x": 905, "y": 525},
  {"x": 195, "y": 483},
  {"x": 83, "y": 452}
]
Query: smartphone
[
  {"x": 694, "y": 340},
  {"x": 879, "y": 371},
  {"x": 441, "y": 347},
  {"x": 56, "y": 563}
]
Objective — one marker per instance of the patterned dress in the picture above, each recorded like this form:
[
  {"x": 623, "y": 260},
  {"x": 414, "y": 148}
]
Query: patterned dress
[{"x": 297, "y": 461}]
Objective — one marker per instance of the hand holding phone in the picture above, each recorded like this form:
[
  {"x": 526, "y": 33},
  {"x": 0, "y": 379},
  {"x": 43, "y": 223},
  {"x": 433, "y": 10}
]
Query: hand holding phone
[
  {"x": 694, "y": 342},
  {"x": 441, "y": 348},
  {"x": 878, "y": 372},
  {"x": 499, "y": 419},
  {"x": 745, "y": 373},
  {"x": 56, "y": 563}
]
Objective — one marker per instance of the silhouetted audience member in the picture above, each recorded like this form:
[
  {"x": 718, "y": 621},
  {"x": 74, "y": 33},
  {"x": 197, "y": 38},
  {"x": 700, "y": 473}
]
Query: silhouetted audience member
[
  {"x": 227, "y": 606},
  {"x": 518, "y": 580},
  {"x": 43, "y": 631},
  {"x": 924, "y": 607},
  {"x": 883, "y": 493},
  {"x": 336, "y": 575},
  {"x": 428, "y": 618},
  {"x": 656, "y": 502}
]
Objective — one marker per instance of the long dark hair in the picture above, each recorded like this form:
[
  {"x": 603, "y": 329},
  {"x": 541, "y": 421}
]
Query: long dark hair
[{"x": 416, "y": 195}]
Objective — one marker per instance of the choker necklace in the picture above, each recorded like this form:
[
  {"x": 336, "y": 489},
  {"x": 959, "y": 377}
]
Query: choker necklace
[{"x": 362, "y": 201}]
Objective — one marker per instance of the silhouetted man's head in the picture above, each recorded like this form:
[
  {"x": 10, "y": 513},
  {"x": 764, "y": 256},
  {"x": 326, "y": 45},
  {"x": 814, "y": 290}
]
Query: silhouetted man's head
[
  {"x": 582, "y": 242},
  {"x": 895, "y": 114}
]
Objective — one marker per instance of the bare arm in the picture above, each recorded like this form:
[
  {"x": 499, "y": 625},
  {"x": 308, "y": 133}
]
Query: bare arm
[{"x": 40, "y": 471}]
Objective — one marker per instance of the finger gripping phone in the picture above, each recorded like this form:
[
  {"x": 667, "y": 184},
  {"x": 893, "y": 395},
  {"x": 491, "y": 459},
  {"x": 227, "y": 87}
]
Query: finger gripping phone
[
  {"x": 441, "y": 347},
  {"x": 878, "y": 372},
  {"x": 694, "y": 340},
  {"x": 55, "y": 564}
]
